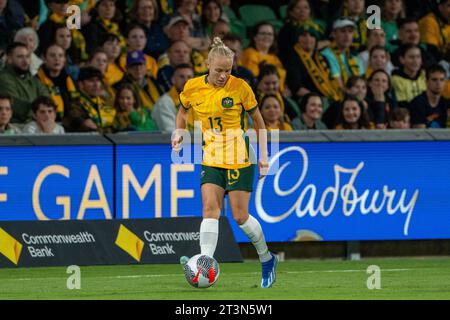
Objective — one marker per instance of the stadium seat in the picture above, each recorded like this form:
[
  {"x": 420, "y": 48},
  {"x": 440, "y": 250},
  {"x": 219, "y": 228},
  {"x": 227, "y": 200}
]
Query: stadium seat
[
  {"x": 236, "y": 25},
  {"x": 252, "y": 14},
  {"x": 229, "y": 13},
  {"x": 239, "y": 28},
  {"x": 283, "y": 11}
]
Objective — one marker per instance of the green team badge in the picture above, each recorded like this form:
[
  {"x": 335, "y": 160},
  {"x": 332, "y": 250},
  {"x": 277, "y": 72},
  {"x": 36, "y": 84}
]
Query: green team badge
[{"x": 227, "y": 102}]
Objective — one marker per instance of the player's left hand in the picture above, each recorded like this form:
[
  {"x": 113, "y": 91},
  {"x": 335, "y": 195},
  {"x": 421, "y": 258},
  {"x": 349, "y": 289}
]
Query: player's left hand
[{"x": 263, "y": 168}]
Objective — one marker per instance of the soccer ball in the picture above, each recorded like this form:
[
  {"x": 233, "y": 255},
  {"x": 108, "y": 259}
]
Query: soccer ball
[{"x": 201, "y": 271}]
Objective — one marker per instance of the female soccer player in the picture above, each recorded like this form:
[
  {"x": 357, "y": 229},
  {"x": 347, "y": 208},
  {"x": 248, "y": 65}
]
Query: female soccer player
[{"x": 220, "y": 101}]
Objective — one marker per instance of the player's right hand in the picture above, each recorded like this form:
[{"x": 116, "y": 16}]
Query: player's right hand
[
  {"x": 263, "y": 168},
  {"x": 177, "y": 139}
]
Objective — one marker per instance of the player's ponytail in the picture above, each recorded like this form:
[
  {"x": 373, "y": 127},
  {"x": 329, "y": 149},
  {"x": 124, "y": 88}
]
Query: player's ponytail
[{"x": 218, "y": 48}]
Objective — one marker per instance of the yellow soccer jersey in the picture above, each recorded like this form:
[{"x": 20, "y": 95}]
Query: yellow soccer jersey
[{"x": 221, "y": 112}]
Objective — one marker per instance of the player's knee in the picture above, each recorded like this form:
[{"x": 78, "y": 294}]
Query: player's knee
[
  {"x": 211, "y": 212},
  {"x": 240, "y": 217}
]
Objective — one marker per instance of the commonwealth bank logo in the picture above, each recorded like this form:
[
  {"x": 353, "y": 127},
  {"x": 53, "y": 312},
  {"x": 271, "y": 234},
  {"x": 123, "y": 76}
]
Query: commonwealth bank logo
[
  {"x": 10, "y": 247},
  {"x": 130, "y": 243}
]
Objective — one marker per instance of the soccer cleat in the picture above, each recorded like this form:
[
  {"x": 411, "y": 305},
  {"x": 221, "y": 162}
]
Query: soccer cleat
[
  {"x": 184, "y": 260},
  {"x": 269, "y": 270}
]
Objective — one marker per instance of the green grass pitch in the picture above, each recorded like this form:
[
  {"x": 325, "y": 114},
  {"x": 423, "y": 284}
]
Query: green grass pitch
[{"x": 401, "y": 278}]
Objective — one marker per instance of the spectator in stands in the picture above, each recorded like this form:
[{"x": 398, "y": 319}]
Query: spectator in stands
[
  {"x": 57, "y": 17},
  {"x": 263, "y": 49},
  {"x": 378, "y": 59},
  {"x": 137, "y": 41},
  {"x": 228, "y": 12},
  {"x": 220, "y": 29},
  {"x": 55, "y": 78},
  {"x": 356, "y": 86},
  {"x": 272, "y": 113},
  {"x": 31, "y": 9},
  {"x": 178, "y": 53},
  {"x": 429, "y": 109},
  {"x": 299, "y": 14},
  {"x": 146, "y": 13},
  {"x": 11, "y": 20},
  {"x": 308, "y": 70},
  {"x": 90, "y": 113},
  {"x": 311, "y": 108},
  {"x": 99, "y": 60},
  {"x": 435, "y": 29},
  {"x": 188, "y": 10},
  {"x": 17, "y": 81},
  {"x": 130, "y": 115},
  {"x": 409, "y": 33},
  {"x": 409, "y": 81},
  {"x": 146, "y": 86},
  {"x": 356, "y": 11},
  {"x": 380, "y": 98},
  {"x": 6, "y": 113},
  {"x": 44, "y": 115},
  {"x": 375, "y": 38},
  {"x": 86, "y": 6},
  {"x": 63, "y": 38},
  {"x": 111, "y": 45},
  {"x": 400, "y": 119},
  {"x": 104, "y": 17},
  {"x": 166, "y": 108},
  {"x": 269, "y": 83},
  {"x": 391, "y": 11},
  {"x": 211, "y": 13},
  {"x": 343, "y": 62},
  {"x": 234, "y": 42},
  {"x": 352, "y": 115},
  {"x": 29, "y": 37},
  {"x": 178, "y": 29}
]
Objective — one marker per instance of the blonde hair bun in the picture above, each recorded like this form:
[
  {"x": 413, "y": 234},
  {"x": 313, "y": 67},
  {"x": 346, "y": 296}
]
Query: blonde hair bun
[
  {"x": 219, "y": 48},
  {"x": 217, "y": 42}
]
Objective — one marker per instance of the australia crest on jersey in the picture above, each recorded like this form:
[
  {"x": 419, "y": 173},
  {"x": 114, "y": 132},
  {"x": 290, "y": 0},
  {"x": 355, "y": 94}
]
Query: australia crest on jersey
[{"x": 227, "y": 102}]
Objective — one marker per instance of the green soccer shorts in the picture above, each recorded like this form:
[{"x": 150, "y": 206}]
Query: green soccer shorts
[{"x": 229, "y": 179}]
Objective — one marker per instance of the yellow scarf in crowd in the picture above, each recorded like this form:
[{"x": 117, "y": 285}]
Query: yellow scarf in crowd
[
  {"x": 55, "y": 94},
  {"x": 84, "y": 4},
  {"x": 149, "y": 94},
  {"x": 308, "y": 23},
  {"x": 112, "y": 27},
  {"x": 101, "y": 114},
  {"x": 319, "y": 73},
  {"x": 351, "y": 60}
]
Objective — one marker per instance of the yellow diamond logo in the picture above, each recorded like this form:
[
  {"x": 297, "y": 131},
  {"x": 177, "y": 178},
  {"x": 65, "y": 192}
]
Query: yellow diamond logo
[
  {"x": 10, "y": 247},
  {"x": 130, "y": 243}
]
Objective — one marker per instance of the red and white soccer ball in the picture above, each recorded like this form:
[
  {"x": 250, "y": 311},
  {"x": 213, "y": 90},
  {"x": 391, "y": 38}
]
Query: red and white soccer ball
[{"x": 201, "y": 271}]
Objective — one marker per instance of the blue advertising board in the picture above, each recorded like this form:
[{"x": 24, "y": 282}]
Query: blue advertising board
[
  {"x": 56, "y": 182},
  {"x": 318, "y": 191}
]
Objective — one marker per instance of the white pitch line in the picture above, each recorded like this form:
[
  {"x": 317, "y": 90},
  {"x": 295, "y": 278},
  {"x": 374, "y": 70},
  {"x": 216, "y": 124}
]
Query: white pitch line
[
  {"x": 177, "y": 274},
  {"x": 343, "y": 271}
]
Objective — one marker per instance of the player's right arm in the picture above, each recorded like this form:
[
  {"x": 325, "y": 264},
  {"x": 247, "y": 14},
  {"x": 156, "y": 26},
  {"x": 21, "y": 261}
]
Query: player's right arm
[
  {"x": 180, "y": 121},
  {"x": 182, "y": 115}
]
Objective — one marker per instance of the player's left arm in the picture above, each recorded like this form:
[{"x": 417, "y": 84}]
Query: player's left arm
[{"x": 262, "y": 141}]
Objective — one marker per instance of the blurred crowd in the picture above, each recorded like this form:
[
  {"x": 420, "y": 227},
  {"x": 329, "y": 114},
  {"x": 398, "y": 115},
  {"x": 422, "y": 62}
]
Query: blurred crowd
[{"x": 312, "y": 64}]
